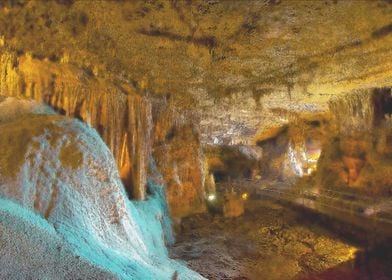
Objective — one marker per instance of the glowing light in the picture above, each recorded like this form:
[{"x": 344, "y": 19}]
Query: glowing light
[
  {"x": 211, "y": 197},
  {"x": 352, "y": 253},
  {"x": 245, "y": 196},
  {"x": 313, "y": 158}
]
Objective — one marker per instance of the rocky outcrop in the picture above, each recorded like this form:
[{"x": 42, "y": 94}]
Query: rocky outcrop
[
  {"x": 60, "y": 169},
  {"x": 179, "y": 157},
  {"x": 357, "y": 156},
  {"x": 122, "y": 118},
  {"x": 233, "y": 205},
  {"x": 281, "y": 152},
  {"x": 232, "y": 162},
  {"x": 292, "y": 149}
]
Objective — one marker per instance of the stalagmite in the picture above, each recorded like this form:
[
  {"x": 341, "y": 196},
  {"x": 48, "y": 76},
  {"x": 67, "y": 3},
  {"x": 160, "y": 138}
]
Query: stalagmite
[
  {"x": 179, "y": 156},
  {"x": 357, "y": 153}
]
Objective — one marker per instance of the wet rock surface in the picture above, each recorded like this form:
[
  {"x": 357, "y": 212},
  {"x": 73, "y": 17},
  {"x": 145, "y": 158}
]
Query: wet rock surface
[
  {"x": 121, "y": 117},
  {"x": 267, "y": 242},
  {"x": 59, "y": 184}
]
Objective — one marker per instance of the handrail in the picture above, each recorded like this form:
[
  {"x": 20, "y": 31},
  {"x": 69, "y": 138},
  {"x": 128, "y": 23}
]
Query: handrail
[
  {"x": 363, "y": 197},
  {"x": 298, "y": 196},
  {"x": 342, "y": 209}
]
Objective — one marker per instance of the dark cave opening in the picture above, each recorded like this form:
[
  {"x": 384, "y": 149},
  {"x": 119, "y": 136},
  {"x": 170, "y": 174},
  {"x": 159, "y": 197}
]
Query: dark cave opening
[{"x": 382, "y": 100}]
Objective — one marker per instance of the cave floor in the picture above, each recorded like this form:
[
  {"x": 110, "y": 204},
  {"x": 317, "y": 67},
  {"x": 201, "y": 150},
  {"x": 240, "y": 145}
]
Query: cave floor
[{"x": 267, "y": 242}]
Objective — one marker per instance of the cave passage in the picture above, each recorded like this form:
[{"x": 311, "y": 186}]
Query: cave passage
[{"x": 274, "y": 214}]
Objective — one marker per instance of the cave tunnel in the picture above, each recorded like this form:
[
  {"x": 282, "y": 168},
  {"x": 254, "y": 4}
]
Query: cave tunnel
[
  {"x": 382, "y": 99},
  {"x": 195, "y": 139},
  {"x": 220, "y": 176}
]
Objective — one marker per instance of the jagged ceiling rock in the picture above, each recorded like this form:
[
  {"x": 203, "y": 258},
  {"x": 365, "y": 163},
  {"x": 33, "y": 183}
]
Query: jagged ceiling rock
[
  {"x": 290, "y": 54},
  {"x": 240, "y": 119}
]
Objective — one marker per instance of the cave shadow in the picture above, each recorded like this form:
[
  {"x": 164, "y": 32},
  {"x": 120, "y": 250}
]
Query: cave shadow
[
  {"x": 368, "y": 264},
  {"x": 373, "y": 259}
]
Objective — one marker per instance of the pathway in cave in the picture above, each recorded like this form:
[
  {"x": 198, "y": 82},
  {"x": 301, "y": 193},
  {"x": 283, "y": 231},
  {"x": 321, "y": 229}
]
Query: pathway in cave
[{"x": 273, "y": 242}]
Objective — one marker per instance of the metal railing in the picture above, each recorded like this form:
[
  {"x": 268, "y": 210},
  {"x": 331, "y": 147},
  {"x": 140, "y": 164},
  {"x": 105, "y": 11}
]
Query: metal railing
[{"x": 325, "y": 201}]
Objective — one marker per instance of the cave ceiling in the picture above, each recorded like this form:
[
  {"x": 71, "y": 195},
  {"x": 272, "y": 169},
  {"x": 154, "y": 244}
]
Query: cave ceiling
[{"x": 232, "y": 62}]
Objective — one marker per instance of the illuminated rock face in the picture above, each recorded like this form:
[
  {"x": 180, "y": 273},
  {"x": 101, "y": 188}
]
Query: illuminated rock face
[
  {"x": 292, "y": 150},
  {"x": 358, "y": 150},
  {"x": 179, "y": 157},
  {"x": 62, "y": 170},
  {"x": 122, "y": 118},
  {"x": 282, "y": 152},
  {"x": 124, "y": 121}
]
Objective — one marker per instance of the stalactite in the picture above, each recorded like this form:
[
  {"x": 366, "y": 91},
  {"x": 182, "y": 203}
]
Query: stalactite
[
  {"x": 353, "y": 112},
  {"x": 122, "y": 118}
]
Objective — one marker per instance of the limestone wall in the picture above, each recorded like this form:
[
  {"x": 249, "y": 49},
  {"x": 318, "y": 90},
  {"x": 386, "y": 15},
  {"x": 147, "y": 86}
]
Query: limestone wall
[
  {"x": 358, "y": 154},
  {"x": 122, "y": 118}
]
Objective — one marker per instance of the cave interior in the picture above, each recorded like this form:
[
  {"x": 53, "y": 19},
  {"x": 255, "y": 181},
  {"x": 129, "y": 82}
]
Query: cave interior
[{"x": 196, "y": 139}]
